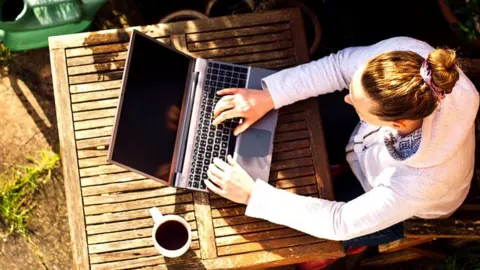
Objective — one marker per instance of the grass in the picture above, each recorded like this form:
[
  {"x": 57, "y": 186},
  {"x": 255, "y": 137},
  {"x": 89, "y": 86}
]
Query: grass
[{"x": 18, "y": 187}]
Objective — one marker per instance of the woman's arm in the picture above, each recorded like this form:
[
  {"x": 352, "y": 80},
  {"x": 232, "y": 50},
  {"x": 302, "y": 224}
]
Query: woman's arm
[
  {"x": 329, "y": 73},
  {"x": 375, "y": 210}
]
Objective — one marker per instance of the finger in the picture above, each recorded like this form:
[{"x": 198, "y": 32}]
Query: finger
[
  {"x": 217, "y": 181},
  {"x": 216, "y": 171},
  {"x": 221, "y": 164},
  {"x": 223, "y": 105},
  {"x": 228, "y": 91},
  {"x": 214, "y": 188},
  {"x": 226, "y": 115},
  {"x": 242, "y": 127},
  {"x": 231, "y": 161}
]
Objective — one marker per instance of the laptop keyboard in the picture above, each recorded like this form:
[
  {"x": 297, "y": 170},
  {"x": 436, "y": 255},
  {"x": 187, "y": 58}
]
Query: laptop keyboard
[{"x": 214, "y": 141}]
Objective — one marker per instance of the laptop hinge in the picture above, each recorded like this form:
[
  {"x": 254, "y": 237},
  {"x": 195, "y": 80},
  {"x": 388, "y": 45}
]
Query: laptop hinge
[{"x": 185, "y": 126}]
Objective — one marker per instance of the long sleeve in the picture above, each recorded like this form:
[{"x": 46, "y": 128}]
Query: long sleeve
[
  {"x": 375, "y": 210},
  {"x": 329, "y": 73}
]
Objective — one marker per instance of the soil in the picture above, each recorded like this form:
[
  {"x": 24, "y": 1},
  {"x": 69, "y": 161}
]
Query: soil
[{"x": 27, "y": 121}]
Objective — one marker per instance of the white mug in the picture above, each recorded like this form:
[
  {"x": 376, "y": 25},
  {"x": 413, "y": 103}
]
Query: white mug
[{"x": 161, "y": 219}]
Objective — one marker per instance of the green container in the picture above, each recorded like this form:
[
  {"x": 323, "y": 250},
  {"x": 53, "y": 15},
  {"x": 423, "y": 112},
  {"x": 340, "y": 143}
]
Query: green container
[{"x": 41, "y": 19}]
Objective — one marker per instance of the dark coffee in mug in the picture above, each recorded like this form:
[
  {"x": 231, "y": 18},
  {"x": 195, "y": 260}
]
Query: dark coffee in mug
[{"x": 171, "y": 235}]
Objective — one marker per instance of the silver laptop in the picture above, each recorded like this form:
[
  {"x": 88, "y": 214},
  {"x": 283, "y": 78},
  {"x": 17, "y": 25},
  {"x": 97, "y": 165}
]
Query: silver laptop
[{"x": 163, "y": 127}]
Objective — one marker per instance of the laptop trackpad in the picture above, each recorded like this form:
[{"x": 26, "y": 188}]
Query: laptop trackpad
[{"x": 254, "y": 152}]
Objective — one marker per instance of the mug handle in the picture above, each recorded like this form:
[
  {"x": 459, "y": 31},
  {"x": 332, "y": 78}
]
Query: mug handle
[{"x": 156, "y": 215}]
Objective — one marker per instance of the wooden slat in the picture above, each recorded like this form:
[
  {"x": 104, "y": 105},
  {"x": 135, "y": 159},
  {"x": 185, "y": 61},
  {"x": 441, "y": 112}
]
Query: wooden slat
[
  {"x": 92, "y": 143},
  {"x": 105, "y": 169},
  {"x": 134, "y": 214},
  {"x": 131, "y": 196},
  {"x": 291, "y": 136},
  {"x": 127, "y": 244},
  {"x": 95, "y": 123},
  {"x": 121, "y": 187},
  {"x": 158, "y": 262},
  {"x": 205, "y": 227},
  {"x": 239, "y": 41},
  {"x": 129, "y": 225},
  {"x": 164, "y": 30},
  {"x": 91, "y": 153},
  {"x": 227, "y": 212},
  {"x": 103, "y": 49},
  {"x": 257, "y": 56},
  {"x": 402, "y": 244},
  {"x": 292, "y": 117},
  {"x": 221, "y": 202},
  {"x": 301, "y": 181},
  {"x": 93, "y": 105},
  {"x": 107, "y": 48},
  {"x": 214, "y": 53},
  {"x": 110, "y": 178},
  {"x": 263, "y": 29},
  {"x": 292, "y": 163},
  {"x": 256, "y": 236},
  {"x": 123, "y": 255},
  {"x": 96, "y": 86},
  {"x": 311, "y": 191},
  {"x": 442, "y": 228},
  {"x": 237, "y": 220},
  {"x": 93, "y": 114},
  {"x": 70, "y": 170},
  {"x": 268, "y": 244},
  {"x": 93, "y": 133},
  {"x": 246, "y": 228},
  {"x": 292, "y": 173},
  {"x": 142, "y": 230},
  {"x": 90, "y": 162},
  {"x": 94, "y": 68},
  {"x": 322, "y": 172},
  {"x": 96, "y": 77},
  {"x": 98, "y": 58},
  {"x": 269, "y": 258},
  {"x": 297, "y": 153},
  {"x": 287, "y": 146},
  {"x": 97, "y": 95},
  {"x": 292, "y": 108},
  {"x": 300, "y": 125},
  {"x": 121, "y": 258},
  {"x": 132, "y": 205}
]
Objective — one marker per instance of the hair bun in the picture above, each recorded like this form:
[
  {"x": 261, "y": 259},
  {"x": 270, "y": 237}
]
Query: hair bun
[{"x": 443, "y": 63}]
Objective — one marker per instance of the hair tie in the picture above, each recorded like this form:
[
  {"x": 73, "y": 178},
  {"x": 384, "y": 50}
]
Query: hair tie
[{"x": 426, "y": 73}]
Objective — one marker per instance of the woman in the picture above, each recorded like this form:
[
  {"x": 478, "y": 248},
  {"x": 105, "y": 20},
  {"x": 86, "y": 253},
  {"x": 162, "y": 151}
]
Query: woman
[{"x": 412, "y": 152}]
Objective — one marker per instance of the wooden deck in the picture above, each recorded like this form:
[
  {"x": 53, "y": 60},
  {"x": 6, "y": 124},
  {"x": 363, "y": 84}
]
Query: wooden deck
[{"x": 108, "y": 206}]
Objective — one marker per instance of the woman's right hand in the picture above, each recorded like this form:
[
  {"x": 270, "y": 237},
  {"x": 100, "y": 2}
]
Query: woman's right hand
[{"x": 248, "y": 104}]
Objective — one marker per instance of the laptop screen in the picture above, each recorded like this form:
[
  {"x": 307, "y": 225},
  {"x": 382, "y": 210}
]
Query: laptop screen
[{"x": 148, "y": 119}]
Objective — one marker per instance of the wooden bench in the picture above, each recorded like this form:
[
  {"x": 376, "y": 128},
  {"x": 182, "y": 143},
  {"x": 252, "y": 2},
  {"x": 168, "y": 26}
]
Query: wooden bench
[
  {"x": 108, "y": 206},
  {"x": 463, "y": 224}
]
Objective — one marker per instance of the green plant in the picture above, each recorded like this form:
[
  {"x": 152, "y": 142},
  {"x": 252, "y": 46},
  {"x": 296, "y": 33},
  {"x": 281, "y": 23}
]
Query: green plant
[
  {"x": 468, "y": 15},
  {"x": 17, "y": 189},
  {"x": 5, "y": 54}
]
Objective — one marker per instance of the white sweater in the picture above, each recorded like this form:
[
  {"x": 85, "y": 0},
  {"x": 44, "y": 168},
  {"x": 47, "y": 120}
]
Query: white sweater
[{"x": 432, "y": 183}]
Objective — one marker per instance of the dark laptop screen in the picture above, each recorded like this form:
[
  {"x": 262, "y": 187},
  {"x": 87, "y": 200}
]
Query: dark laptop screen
[{"x": 148, "y": 120}]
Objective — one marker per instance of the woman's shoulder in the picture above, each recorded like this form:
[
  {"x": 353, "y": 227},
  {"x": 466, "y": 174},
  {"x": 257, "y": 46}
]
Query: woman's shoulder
[{"x": 404, "y": 43}]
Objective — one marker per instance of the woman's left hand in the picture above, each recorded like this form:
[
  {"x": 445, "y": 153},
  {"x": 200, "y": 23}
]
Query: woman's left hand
[{"x": 229, "y": 180}]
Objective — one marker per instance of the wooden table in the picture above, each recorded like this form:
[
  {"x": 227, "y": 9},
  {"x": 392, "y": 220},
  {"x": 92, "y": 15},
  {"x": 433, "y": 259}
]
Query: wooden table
[{"x": 108, "y": 206}]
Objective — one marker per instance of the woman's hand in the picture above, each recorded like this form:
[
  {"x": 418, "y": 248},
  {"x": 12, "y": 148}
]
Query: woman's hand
[
  {"x": 231, "y": 181},
  {"x": 248, "y": 104}
]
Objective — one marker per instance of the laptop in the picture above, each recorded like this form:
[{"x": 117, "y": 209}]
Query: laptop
[{"x": 163, "y": 127}]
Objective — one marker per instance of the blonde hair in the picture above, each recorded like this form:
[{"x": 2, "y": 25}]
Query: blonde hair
[{"x": 393, "y": 81}]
